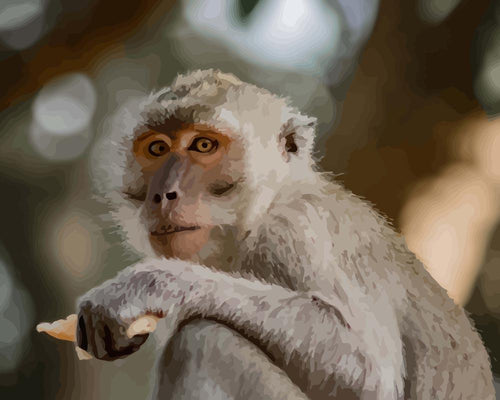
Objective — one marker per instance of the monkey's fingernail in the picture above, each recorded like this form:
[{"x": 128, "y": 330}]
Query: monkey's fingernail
[
  {"x": 82, "y": 354},
  {"x": 143, "y": 325}
]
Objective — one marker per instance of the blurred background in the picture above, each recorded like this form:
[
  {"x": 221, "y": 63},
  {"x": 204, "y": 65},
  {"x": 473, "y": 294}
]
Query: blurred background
[{"x": 406, "y": 93}]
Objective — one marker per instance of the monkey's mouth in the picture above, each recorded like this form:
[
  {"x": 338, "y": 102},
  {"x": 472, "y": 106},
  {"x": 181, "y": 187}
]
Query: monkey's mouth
[{"x": 167, "y": 230}]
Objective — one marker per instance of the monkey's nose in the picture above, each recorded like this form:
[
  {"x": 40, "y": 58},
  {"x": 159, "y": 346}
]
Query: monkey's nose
[{"x": 171, "y": 195}]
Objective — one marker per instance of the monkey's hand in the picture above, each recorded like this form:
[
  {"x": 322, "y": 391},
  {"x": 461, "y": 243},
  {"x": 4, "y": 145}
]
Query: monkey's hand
[
  {"x": 105, "y": 319},
  {"x": 111, "y": 321}
]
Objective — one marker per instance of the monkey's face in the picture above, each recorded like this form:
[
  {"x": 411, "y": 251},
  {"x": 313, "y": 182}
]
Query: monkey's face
[{"x": 192, "y": 184}]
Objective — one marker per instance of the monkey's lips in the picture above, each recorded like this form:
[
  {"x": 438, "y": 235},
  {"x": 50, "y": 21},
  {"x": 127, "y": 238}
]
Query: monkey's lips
[{"x": 167, "y": 230}]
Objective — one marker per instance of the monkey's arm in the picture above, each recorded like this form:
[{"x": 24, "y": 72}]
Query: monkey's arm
[{"x": 305, "y": 336}]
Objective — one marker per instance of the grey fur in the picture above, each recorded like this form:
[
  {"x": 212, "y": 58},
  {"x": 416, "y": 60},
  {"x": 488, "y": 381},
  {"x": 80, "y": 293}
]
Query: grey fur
[{"x": 317, "y": 285}]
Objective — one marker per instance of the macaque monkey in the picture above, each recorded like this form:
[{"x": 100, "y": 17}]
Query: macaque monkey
[{"x": 280, "y": 283}]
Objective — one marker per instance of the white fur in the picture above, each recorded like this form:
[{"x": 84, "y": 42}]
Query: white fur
[{"x": 388, "y": 326}]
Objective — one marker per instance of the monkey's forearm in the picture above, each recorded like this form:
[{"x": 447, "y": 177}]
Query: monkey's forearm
[{"x": 282, "y": 322}]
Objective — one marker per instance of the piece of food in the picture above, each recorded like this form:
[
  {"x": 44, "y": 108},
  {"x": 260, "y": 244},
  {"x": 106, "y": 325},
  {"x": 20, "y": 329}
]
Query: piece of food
[
  {"x": 143, "y": 325},
  {"x": 62, "y": 329}
]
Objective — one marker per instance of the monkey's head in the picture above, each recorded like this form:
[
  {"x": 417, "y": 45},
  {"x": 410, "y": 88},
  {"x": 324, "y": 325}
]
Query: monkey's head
[{"x": 204, "y": 156}]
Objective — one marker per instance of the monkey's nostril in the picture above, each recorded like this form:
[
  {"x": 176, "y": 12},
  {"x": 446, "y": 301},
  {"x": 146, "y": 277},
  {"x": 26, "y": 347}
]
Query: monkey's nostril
[
  {"x": 157, "y": 198},
  {"x": 171, "y": 195}
]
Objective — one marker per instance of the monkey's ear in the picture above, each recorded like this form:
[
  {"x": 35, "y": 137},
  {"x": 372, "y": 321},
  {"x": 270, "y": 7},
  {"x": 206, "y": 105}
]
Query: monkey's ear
[{"x": 297, "y": 137}]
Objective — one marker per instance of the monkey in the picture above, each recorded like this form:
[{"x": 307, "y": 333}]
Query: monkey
[{"x": 274, "y": 280}]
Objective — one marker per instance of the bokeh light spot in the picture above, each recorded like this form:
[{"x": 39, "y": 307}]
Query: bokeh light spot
[
  {"x": 62, "y": 115},
  {"x": 15, "y": 13},
  {"x": 436, "y": 11}
]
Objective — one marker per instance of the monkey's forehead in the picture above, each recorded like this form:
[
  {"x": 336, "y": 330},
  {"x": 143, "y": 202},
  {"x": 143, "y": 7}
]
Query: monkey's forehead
[{"x": 228, "y": 106}]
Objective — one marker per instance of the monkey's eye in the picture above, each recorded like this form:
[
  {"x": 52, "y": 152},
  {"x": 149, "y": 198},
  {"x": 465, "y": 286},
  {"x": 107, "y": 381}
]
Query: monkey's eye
[
  {"x": 203, "y": 145},
  {"x": 158, "y": 148}
]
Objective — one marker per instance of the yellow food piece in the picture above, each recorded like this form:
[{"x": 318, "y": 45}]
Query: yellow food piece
[{"x": 62, "y": 329}]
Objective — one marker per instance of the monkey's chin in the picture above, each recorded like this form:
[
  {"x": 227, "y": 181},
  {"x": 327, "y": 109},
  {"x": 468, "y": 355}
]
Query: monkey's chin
[{"x": 184, "y": 245}]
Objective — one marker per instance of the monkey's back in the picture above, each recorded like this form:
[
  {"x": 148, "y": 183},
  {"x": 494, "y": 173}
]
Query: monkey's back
[{"x": 320, "y": 237}]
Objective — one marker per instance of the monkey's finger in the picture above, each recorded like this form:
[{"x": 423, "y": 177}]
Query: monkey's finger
[
  {"x": 142, "y": 326},
  {"x": 63, "y": 329}
]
